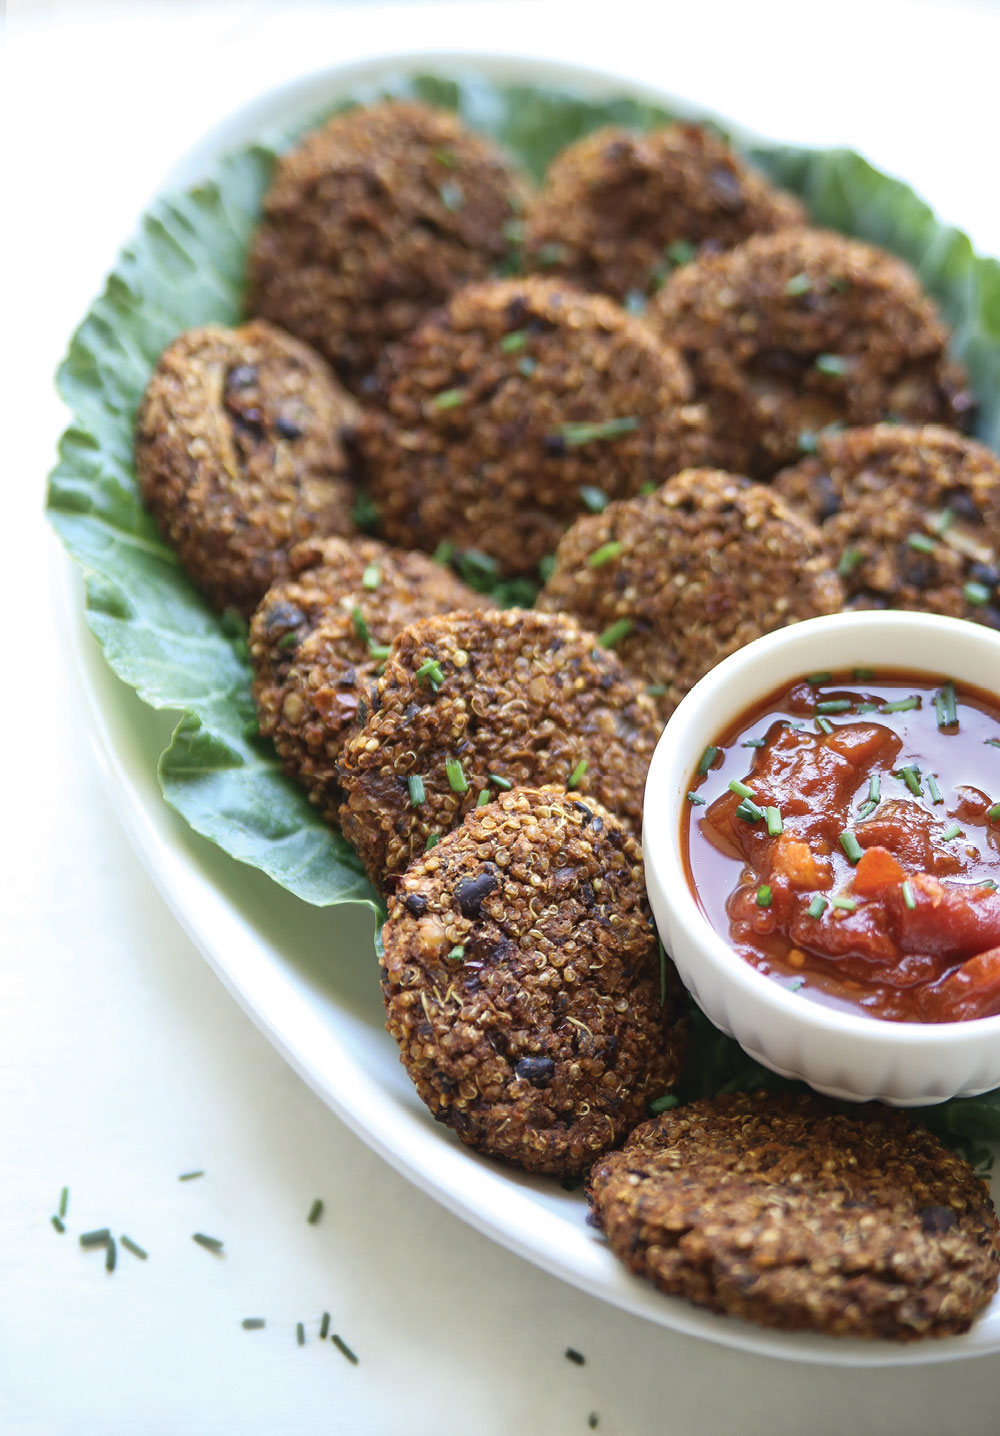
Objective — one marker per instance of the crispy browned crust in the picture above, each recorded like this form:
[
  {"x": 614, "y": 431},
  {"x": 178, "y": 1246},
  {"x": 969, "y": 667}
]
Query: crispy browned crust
[
  {"x": 613, "y": 202},
  {"x": 374, "y": 219},
  {"x": 312, "y": 662},
  {"x": 910, "y": 514},
  {"x": 239, "y": 455},
  {"x": 525, "y": 695},
  {"x": 782, "y": 1210},
  {"x": 488, "y": 466},
  {"x": 707, "y": 563},
  {"x": 753, "y": 322},
  {"x": 523, "y": 985}
]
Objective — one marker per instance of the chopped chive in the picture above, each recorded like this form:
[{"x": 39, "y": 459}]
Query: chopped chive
[
  {"x": 457, "y": 781},
  {"x": 817, "y": 679},
  {"x": 512, "y": 342},
  {"x": 977, "y": 594},
  {"x": 817, "y": 907},
  {"x": 681, "y": 251},
  {"x": 63, "y": 1201},
  {"x": 944, "y": 520},
  {"x": 432, "y": 841},
  {"x": 663, "y": 971},
  {"x": 594, "y": 499},
  {"x": 445, "y": 552},
  {"x": 952, "y": 831},
  {"x": 418, "y": 793},
  {"x": 796, "y": 983},
  {"x": 874, "y": 788},
  {"x": 212, "y": 1244},
  {"x": 948, "y": 715},
  {"x": 300, "y": 1333},
  {"x": 923, "y": 543},
  {"x": 662, "y": 1104},
  {"x": 989, "y": 883},
  {"x": 849, "y": 561},
  {"x": 824, "y": 725},
  {"x": 615, "y": 633},
  {"x": 994, "y": 813},
  {"x": 503, "y": 783},
  {"x": 832, "y": 364},
  {"x": 707, "y": 759},
  {"x": 59, "y": 1224},
  {"x": 775, "y": 826},
  {"x": 551, "y": 253},
  {"x": 900, "y": 705},
  {"x": 993, "y": 742},
  {"x": 861, "y": 674},
  {"x": 656, "y": 690},
  {"x": 694, "y": 798},
  {"x": 190, "y": 1176},
  {"x": 360, "y": 626},
  {"x": 605, "y": 553},
  {"x": 911, "y": 777},
  {"x": 845, "y": 904},
  {"x": 344, "y": 1349},
  {"x": 99, "y": 1238},
  {"x": 933, "y": 789},
  {"x": 526, "y": 365},
  {"x": 485, "y": 797},
  {"x": 740, "y": 789},
  {"x": 110, "y": 1255},
  {"x": 754, "y": 743},
  {"x": 457, "y": 952},
  {"x": 315, "y": 1212},
  {"x": 379, "y": 651},
  {"x": 866, "y": 809},
  {"x": 324, "y": 1326},
  {"x": 546, "y": 567},
  {"x": 584, "y": 433},
  {"x": 577, "y": 773},
  {"x": 908, "y": 897},
  {"x": 852, "y": 848},
  {"x": 833, "y": 705},
  {"x": 448, "y": 399},
  {"x": 253, "y": 1323},
  {"x": 431, "y": 673},
  {"x": 575, "y": 1356},
  {"x": 287, "y": 641},
  {"x": 649, "y": 487},
  {"x": 808, "y": 441},
  {"x": 867, "y": 707},
  {"x": 134, "y": 1248},
  {"x": 764, "y": 895},
  {"x": 749, "y": 811},
  {"x": 798, "y": 284},
  {"x": 372, "y": 577}
]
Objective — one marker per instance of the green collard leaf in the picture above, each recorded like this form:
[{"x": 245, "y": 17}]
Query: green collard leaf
[{"x": 186, "y": 267}]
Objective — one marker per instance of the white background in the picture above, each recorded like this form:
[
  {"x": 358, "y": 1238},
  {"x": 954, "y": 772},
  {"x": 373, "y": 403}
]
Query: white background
[{"x": 122, "y": 1060}]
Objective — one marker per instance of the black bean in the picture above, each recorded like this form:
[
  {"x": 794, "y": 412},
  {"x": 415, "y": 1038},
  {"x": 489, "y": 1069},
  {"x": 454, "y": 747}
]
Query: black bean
[
  {"x": 470, "y": 892},
  {"x": 539, "y": 1071}
]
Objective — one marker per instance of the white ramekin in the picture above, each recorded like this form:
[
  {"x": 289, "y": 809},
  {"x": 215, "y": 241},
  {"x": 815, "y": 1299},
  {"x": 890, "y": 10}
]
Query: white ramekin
[{"x": 846, "y": 1055}]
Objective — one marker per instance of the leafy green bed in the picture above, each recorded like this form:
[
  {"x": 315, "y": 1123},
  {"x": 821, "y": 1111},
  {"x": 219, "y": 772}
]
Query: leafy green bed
[{"x": 186, "y": 267}]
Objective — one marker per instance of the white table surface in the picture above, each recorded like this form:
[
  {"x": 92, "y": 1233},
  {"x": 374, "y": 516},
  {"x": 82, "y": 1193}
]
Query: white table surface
[{"x": 123, "y": 1062}]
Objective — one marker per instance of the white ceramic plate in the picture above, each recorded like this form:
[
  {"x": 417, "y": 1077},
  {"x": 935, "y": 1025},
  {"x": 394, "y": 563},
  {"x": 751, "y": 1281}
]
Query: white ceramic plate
[{"x": 308, "y": 977}]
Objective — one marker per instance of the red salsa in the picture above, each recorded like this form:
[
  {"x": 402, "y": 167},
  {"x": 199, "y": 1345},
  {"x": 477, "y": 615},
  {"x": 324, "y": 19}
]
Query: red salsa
[{"x": 844, "y": 835}]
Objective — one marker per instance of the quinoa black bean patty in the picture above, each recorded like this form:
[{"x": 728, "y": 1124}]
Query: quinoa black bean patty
[
  {"x": 792, "y": 331},
  {"x": 239, "y": 455},
  {"x": 474, "y": 702},
  {"x": 491, "y": 422},
  {"x": 910, "y": 515},
  {"x": 318, "y": 642},
  {"x": 690, "y": 573},
  {"x": 618, "y": 210},
  {"x": 783, "y": 1211},
  {"x": 523, "y": 983},
  {"x": 374, "y": 219}
]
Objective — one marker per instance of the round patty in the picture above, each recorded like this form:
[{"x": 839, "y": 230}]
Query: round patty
[
  {"x": 239, "y": 453},
  {"x": 523, "y": 984},
  {"x": 690, "y": 573},
  {"x": 792, "y": 331},
  {"x": 910, "y": 515},
  {"x": 489, "y": 421},
  {"x": 783, "y": 1211},
  {"x": 619, "y": 210},
  {"x": 528, "y": 698},
  {"x": 372, "y": 220},
  {"x": 318, "y": 642}
]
